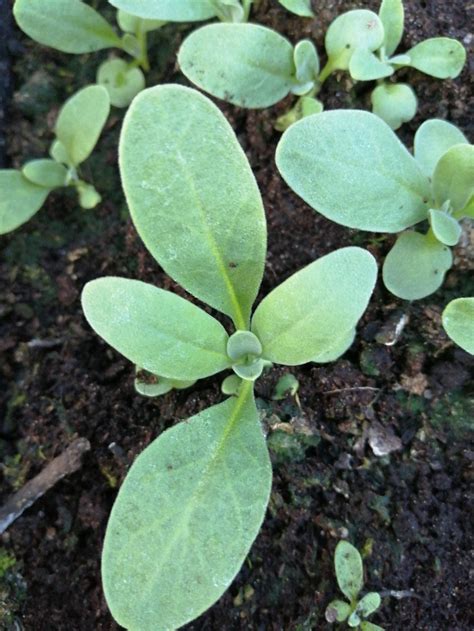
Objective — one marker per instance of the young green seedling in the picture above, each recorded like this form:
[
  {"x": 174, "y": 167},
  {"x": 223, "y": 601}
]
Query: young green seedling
[
  {"x": 187, "y": 10},
  {"x": 350, "y": 578},
  {"x": 351, "y": 167},
  {"x": 194, "y": 500},
  {"x": 458, "y": 322},
  {"x": 253, "y": 66},
  {"x": 78, "y": 127},
  {"x": 72, "y": 26}
]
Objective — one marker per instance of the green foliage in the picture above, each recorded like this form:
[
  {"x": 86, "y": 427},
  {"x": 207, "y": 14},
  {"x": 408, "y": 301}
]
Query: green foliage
[
  {"x": 288, "y": 384},
  {"x": 458, "y": 322},
  {"x": 350, "y": 578},
  {"x": 186, "y": 10},
  {"x": 151, "y": 385},
  {"x": 121, "y": 81},
  {"x": 395, "y": 103},
  {"x": 196, "y": 205},
  {"x": 298, "y": 7},
  {"x": 343, "y": 163},
  {"x": 79, "y": 125}
]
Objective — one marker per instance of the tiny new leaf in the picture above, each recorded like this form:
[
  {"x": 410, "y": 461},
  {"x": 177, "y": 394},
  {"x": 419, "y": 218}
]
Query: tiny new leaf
[
  {"x": 121, "y": 80},
  {"x": 395, "y": 103},
  {"x": 432, "y": 140},
  {"x": 358, "y": 29},
  {"x": 453, "y": 177}
]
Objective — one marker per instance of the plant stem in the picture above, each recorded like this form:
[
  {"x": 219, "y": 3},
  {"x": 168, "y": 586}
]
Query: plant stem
[
  {"x": 325, "y": 72},
  {"x": 246, "y": 6},
  {"x": 143, "y": 60}
]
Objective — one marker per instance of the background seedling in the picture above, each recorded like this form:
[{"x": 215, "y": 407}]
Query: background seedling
[
  {"x": 349, "y": 166},
  {"x": 350, "y": 578},
  {"x": 78, "y": 127},
  {"x": 194, "y": 500},
  {"x": 458, "y": 322}
]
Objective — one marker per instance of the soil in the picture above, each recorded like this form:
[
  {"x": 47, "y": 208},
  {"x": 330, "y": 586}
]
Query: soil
[{"x": 409, "y": 511}]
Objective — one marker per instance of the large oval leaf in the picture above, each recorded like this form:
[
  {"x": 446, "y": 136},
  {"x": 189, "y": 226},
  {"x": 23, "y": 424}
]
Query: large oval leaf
[
  {"x": 453, "y": 177},
  {"x": 458, "y": 321},
  {"x": 20, "y": 199},
  {"x": 156, "y": 329},
  {"x": 168, "y": 10},
  {"x": 308, "y": 314},
  {"x": 246, "y": 64},
  {"x": 350, "y": 167},
  {"x": 415, "y": 266},
  {"x": 81, "y": 121},
  {"x": 440, "y": 57},
  {"x": 186, "y": 516},
  {"x": 193, "y": 197},
  {"x": 432, "y": 139},
  {"x": 67, "y": 25},
  {"x": 349, "y": 569}
]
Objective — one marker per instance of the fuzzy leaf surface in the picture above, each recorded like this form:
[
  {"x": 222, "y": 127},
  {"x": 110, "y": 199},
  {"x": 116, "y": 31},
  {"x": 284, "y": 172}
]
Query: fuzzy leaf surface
[
  {"x": 168, "y": 10},
  {"x": 392, "y": 16},
  {"x": 440, "y": 57},
  {"x": 193, "y": 197},
  {"x": 337, "y": 348},
  {"x": 155, "y": 329},
  {"x": 20, "y": 199},
  {"x": 308, "y": 313},
  {"x": 186, "y": 516},
  {"x": 432, "y": 139},
  {"x": 245, "y": 64},
  {"x": 395, "y": 103},
  {"x": 298, "y": 7},
  {"x": 67, "y": 25},
  {"x": 415, "y": 266},
  {"x": 458, "y": 322},
  {"x": 350, "y": 31},
  {"x": 453, "y": 177},
  {"x": 81, "y": 120},
  {"x": 349, "y": 569},
  {"x": 350, "y": 167},
  {"x": 366, "y": 66},
  {"x": 445, "y": 227}
]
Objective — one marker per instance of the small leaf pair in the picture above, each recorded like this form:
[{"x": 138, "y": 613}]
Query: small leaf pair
[
  {"x": 187, "y": 10},
  {"x": 194, "y": 500},
  {"x": 72, "y": 26},
  {"x": 350, "y": 578},
  {"x": 78, "y": 127},
  {"x": 351, "y": 167}
]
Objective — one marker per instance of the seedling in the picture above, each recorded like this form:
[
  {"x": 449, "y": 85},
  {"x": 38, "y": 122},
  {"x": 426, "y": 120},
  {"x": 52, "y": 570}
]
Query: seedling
[
  {"x": 187, "y": 10},
  {"x": 253, "y": 66},
  {"x": 74, "y": 27},
  {"x": 458, "y": 322},
  {"x": 194, "y": 500},
  {"x": 351, "y": 167},
  {"x": 350, "y": 578},
  {"x": 78, "y": 127}
]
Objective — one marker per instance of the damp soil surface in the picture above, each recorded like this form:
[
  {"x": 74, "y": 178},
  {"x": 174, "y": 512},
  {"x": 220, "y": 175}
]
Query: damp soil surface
[{"x": 378, "y": 448}]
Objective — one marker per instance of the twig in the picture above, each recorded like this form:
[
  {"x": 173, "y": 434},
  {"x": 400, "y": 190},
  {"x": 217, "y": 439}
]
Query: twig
[
  {"x": 351, "y": 389},
  {"x": 68, "y": 462}
]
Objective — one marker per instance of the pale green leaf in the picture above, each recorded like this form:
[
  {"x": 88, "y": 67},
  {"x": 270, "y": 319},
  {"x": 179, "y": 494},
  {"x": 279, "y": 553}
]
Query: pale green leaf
[
  {"x": 155, "y": 329},
  {"x": 458, "y": 322},
  {"x": 352, "y": 30},
  {"x": 287, "y": 384},
  {"x": 58, "y": 153},
  {"x": 337, "y": 611},
  {"x": 364, "y": 65},
  {"x": 168, "y": 10},
  {"x": 81, "y": 121},
  {"x": 354, "y": 620},
  {"x": 432, "y": 139},
  {"x": 20, "y": 199},
  {"x": 305, "y": 316},
  {"x": 44, "y": 172},
  {"x": 150, "y": 385},
  {"x": 391, "y": 14},
  {"x": 306, "y": 61},
  {"x": 133, "y": 24},
  {"x": 304, "y": 106},
  {"x": 349, "y": 570},
  {"x": 88, "y": 196},
  {"x": 121, "y": 81},
  {"x": 245, "y": 64},
  {"x": 445, "y": 227},
  {"x": 67, "y": 25},
  {"x": 231, "y": 385},
  {"x": 186, "y": 516},
  {"x": 415, "y": 266},
  {"x": 468, "y": 210},
  {"x": 369, "y": 626},
  {"x": 400, "y": 60},
  {"x": 368, "y": 604},
  {"x": 440, "y": 57},
  {"x": 193, "y": 197},
  {"x": 395, "y": 103},
  {"x": 337, "y": 348},
  {"x": 453, "y": 177},
  {"x": 228, "y": 10},
  {"x": 350, "y": 167},
  {"x": 298, "y": 7}
]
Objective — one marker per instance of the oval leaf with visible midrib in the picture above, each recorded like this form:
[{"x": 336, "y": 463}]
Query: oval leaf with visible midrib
[
  {"x": 67, "y": 25},
  {"x": 245, "y": 64},
  {"x": 193, "y": 197},
  {"x": 351, "y": 167},
  {"x": 156, "y": 329},
  {"x": 311, "y": 311},
  {"x": 20, "y": 199},
  {"x": 186, "y": 516}
]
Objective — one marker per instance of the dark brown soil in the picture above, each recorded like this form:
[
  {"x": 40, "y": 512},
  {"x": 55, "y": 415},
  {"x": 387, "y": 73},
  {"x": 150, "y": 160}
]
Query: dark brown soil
[{"x": 410, "y": 511}]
